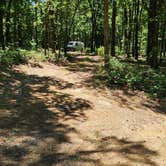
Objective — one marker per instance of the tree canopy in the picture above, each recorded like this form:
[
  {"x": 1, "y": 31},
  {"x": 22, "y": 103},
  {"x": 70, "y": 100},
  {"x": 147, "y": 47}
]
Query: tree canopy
[{"x": 135, "y": 28}]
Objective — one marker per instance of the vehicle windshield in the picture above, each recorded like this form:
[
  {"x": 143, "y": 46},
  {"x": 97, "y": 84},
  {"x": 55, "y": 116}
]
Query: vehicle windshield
[{"x": 70, "y": 43}]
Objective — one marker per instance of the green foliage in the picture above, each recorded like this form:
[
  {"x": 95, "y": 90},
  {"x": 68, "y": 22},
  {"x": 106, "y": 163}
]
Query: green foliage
[
  {"x": 135, "y": 77},
  {"x": 12, "y": 56},
  {"x": 87, "y": 50},
  {"x": 37, "y": 55},
  {"x": 100, "y": 51}
]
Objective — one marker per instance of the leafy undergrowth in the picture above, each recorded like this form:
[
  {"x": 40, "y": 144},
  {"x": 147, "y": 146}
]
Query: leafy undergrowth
[
  {"x": 135, "y": 77},
  {"x": 12, "y": 56}
]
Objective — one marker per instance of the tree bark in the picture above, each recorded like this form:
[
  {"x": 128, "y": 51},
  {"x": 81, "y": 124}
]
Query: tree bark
[
  {"x": 1, "y": 29},
  {"x": 94, "y": 12},
  {"x": 113, "y": 32},
  {"x": 36, "y": 29},
  {"x": 136, "y": 49},
  {"x": 125, "y": 28},
  {"x": 152, "y": 41},
  {"x": 19, "y": 31},
  {"x": 7, "y": 34},
  {"x": 106, "y": 60}
]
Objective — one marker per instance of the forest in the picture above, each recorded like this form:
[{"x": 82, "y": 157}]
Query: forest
[
  {"x": 101, "y": 105},
  {"x": 135, "y": 28}
]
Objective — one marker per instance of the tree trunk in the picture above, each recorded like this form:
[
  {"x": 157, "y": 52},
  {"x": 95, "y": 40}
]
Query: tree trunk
[
  {"x": 7, "y": 34},
  {"x": 36, "y": 29},
  {"x": 106, "y": 60},
  {"x": 93, "y": 34},
  {"x": 15, "y": 26},
  {"x": 129, "y": 32},
  {"x": 125, "y": 34},
  {"x": 113, "y": 32},
  {"x": 164, "y": 40},
  {"x": 94, "y": 7},
  {"x": 19, "y": 31},
  {"x": 133, "y": 28},
  {"x": 152, "y": 41},
  {"x": 1, "y": 29},
  {"x": 136, "y": 49}
]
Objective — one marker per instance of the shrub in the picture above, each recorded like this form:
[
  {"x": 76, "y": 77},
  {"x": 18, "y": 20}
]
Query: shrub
[
  {"x": 11, "y": 56},
  {"x": 100, "y": 51},
  {"x": 136, "y": 77},
  {"x": 117, "y": 72},
  {"x": 87, "y": 50}
]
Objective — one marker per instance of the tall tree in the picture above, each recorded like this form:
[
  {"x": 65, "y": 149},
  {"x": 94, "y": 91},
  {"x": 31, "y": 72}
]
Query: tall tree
[
  {"x": 94, "y": 8},
  {"x": 136, "y": 30},
  {"x": 106, "y": 51},
  {"x": 113, "y": 31},
  {"x": 8, "y": 25},
  {"x": 1, "y": 25},
  {"x": 153, "y": 32}
]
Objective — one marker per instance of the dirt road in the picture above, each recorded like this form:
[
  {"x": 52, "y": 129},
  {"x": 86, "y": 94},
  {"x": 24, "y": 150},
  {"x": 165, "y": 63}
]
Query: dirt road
[{"x": 53, "y": 115}]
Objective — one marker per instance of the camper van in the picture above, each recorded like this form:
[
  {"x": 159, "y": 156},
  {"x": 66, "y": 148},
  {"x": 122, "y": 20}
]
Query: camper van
[{"x": 75, "y": 46}]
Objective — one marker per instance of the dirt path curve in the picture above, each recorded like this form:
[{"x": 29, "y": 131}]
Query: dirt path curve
[{"x": 51, "y": 115}]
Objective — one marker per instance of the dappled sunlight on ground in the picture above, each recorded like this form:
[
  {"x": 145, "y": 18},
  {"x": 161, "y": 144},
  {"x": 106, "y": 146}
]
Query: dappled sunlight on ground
[{"x": 51, "y": 115}]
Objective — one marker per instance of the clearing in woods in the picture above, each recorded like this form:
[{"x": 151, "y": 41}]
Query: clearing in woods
[{"x": 53, "y": 115}]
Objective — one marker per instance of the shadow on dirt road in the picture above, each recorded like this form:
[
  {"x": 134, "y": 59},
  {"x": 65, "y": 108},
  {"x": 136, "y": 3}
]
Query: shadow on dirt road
[{"x": 35, "y": 126}]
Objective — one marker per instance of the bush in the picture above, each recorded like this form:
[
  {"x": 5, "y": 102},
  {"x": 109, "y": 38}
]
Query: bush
[
  {"x": 117, "y": 72},
  {"x": 100, "y": 51},
  {"x": 87, "y": 50},
  {"x": 11, "y": 56},
  {"x": 136, "y": 77}
]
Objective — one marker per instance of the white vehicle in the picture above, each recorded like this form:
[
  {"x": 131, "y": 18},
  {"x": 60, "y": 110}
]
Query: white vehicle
[{"x": 75, "y": 46}]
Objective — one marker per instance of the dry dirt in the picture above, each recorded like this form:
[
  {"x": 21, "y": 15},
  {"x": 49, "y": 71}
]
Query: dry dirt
[{"x": 53, "y": 115}]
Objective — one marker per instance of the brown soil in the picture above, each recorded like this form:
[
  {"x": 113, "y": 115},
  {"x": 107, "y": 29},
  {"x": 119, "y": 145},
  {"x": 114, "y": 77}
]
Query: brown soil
[{"x": 53, "y": 115}]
